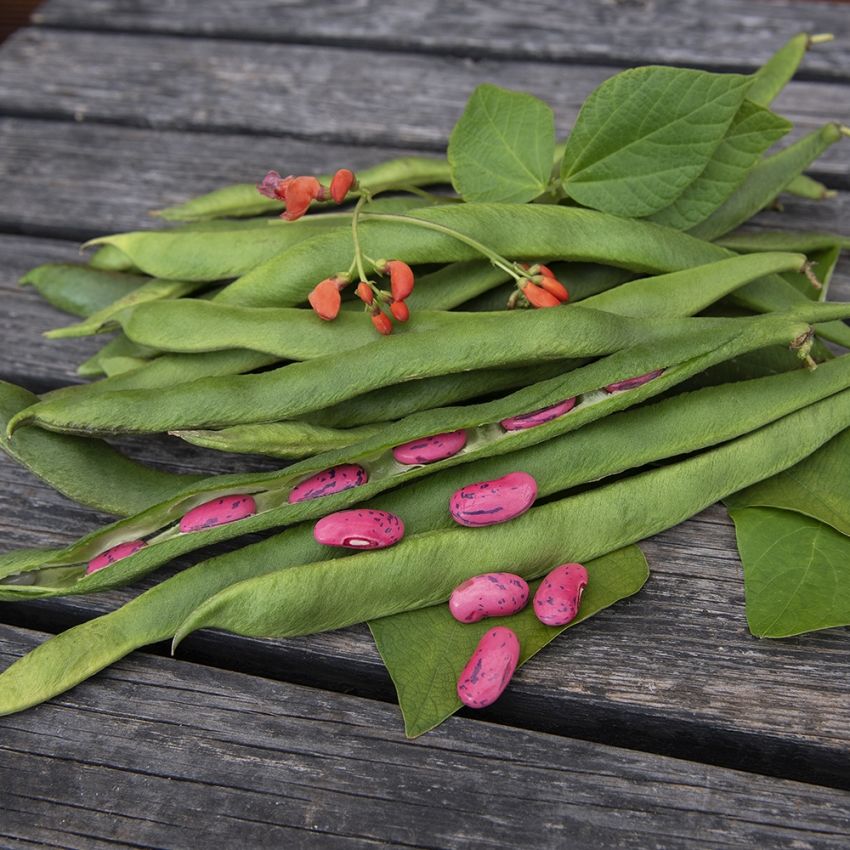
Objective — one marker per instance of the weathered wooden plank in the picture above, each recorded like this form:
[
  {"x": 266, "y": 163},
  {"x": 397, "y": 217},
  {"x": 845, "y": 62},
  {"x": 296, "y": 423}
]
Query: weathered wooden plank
[
  {"x": 26, "y": 357},
  {"x": 82, "y": 180},
  {"x": 263, "y": 764},
  {"x": 331, "y": 94},
  {"x": 723, "y": 34},
  {"x": 79, "y": 180},
  {"x": 672, "y": 670}
]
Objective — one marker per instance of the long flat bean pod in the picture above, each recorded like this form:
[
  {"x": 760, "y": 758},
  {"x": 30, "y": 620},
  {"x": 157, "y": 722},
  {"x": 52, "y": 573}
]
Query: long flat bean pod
[
  {"x": 804, "y": 241},
  {"x": 623, "y": 441},
  {"x": 476, "y": 341},
  {"x": 227, "y": 249},
  {"x": 89, "y": 471},
  {"x": 807, "y": 187},
  {"x": 243, "y": 199},
  {"x": 293, "y": 334},
  {"x": 704, "y": 343},
  {"x": 332, "y": 594}
]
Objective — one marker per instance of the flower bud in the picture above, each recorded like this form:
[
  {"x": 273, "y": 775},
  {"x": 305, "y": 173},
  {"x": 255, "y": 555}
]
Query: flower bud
[
  {"x": 400, "y": 310},
  {"x": 553, "y": 287},
  {"x": 382, "y": 323},
  {"x": 537, "y": 296},
  {"x": 364, "y": 292},
  {"x": 341, "y": 184},
  {"x": 401, "y": 279},
  {"x": 325, "y": 299}
]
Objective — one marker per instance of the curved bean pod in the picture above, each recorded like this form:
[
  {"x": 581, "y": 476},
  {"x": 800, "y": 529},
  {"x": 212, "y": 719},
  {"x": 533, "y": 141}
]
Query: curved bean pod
[
  {"x": 284, "y": 604},
  {"x": 217, "y": 250},
  {"x": 300, "y": 388},
  {"x": 89, "y": 471},
  {"x": 694, "y": 421}
]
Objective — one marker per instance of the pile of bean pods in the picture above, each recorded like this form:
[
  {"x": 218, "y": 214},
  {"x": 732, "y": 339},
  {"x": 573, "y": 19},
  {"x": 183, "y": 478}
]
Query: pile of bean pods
[{"x": 492, "y": 369}]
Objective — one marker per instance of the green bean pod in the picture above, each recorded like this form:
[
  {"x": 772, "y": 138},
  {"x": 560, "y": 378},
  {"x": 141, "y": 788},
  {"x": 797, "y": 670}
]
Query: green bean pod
[
  {"x": 626, "y": 440},
  {"x": 81, "y": 290},
  {"x": 243, "y": 199},
  {"x": 190, "y": 325},
  {"x": 700, "y": 344},
  {"x": 111, "y": 259},
  {"x": 766, "y": 181},
  {"x": 116, "y": 356},
  {"x": 463, "y": 343},
  {"x": 332, "y": 594},
  {"x": 104, "y": 319},
  {"x": 517, "y": 231},
  {"x": 749, "y": 241},
  {"x": 90, "y": 472},
  {"x": 226, "y": 249},
  {"x": 807, "y": 187}
]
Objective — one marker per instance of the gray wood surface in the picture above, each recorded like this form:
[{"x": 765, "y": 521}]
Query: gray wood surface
[
  {"x": 722, "y": 33},
  {"x": 225, "y": 86},
  {"x": 162, "y": 753}
]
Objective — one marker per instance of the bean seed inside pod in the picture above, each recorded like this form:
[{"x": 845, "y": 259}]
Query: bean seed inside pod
[
  {"x": 631, "y": 383},
  {"x": 116, "y": 553},
  {"x": 538, "y": 417},
  {"x": 490, "y": 669},
  {"x": 557, "y": 599},
  {"x": 359, "y": 529},
  {"x": 489, "y": 502},
  {"x": 333, "y": 480},
  {"x": 488, "y": 595},
  {"x": 430, "y": 449},
  {"x": 218, "y": 512}
]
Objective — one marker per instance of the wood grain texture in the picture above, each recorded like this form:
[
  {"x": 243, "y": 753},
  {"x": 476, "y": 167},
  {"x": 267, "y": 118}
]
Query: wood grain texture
[
  {"x": 263, "y": 764},
  {"x": 723, "y": 34},
  {"x": 334, "y": 94}
]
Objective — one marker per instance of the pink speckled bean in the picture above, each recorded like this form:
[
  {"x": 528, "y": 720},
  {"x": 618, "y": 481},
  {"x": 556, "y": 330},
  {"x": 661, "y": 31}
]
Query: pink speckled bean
[
  {"x": 333, "y": 480},
  {"x": 489, "y": 502},
  {"x": 116, "y": 553},
  {"x": 538, "y": 417},
  {"x": 559, "y": 595},
  {"x": 218, "y": 512},
  {"x": 490, "y": 669},
  {"x": 359, "y": 529},
  {"x": 488, "y": 595},
  {"x": 430, "y": 449},
  {"x": 631, "y": 383}
]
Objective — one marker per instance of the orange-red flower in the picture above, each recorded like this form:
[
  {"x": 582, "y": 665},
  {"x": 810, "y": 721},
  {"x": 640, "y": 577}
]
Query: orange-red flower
[
  {"x": 400, "y": 311},
  {"x": 537, "y": 296},
  {"x": 382, "y": 323},
  {"x": 325, "y": 298},
  {"x": 341, "y": 184},
  {"x": 401, "y": 279}
]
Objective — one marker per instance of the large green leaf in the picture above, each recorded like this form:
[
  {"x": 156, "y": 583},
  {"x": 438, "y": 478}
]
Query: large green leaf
[
  {"x": 796, "y": 572},
  {"x": 816, "y": 487},
  {"x": 502, "y": 147},
  {"x": 753, "y": 130},
  {"x": 425, "y": 650},
  {"x": 645, "y": 135}
]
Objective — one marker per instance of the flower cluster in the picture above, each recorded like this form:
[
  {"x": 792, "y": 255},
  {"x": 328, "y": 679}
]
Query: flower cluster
[
  {"x": 401, "y": 285},
  {"x": 299, "y": 192},
  {"x": 541, "y": 288}
]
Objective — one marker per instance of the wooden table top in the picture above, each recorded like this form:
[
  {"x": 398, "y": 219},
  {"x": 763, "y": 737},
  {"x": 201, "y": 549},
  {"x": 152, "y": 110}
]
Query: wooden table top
[{"x": 660, "y": 723}]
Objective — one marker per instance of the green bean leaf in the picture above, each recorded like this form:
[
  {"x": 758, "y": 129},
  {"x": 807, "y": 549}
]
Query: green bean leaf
[
  {"x": 796, "y": 572},
  {"x": 753, "y": 130},
  {"x": 645, "y": 135},
  {"x": 817, "y": 487},
  {"x": 425, "y": 650},
  {"x": 501, "y": 148}
]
